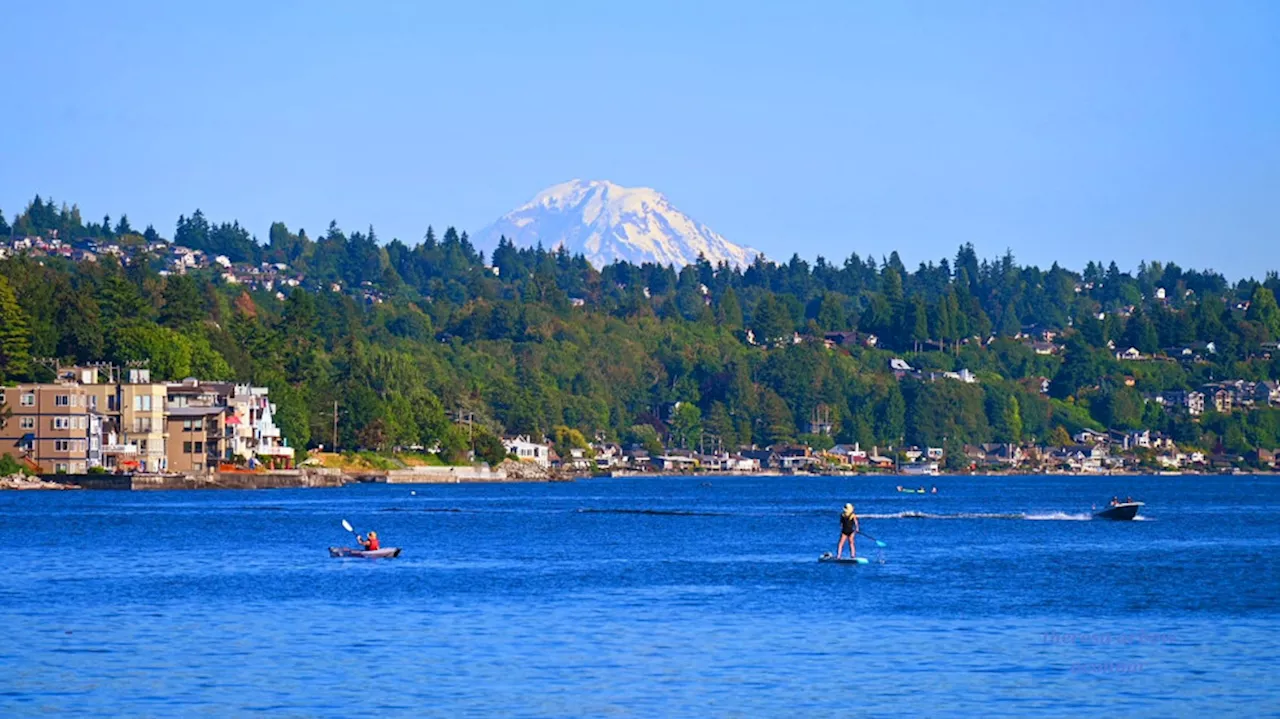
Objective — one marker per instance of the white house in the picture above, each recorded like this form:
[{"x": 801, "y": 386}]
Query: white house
[
  {"x": 526, "y": 450},
  {"x": 1129, "y": 354}
]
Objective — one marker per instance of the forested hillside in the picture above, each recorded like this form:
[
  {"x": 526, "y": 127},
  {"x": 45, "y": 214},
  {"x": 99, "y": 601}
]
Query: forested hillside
[{"x": 408, "y": 338}]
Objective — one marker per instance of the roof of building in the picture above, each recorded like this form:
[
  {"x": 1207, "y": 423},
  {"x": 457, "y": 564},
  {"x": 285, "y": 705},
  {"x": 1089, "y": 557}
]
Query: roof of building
[{"x": 195, "y": 411}]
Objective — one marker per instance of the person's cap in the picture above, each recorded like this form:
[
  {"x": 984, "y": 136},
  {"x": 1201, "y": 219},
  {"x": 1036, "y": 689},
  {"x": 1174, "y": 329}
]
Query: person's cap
[
  {"x": 373, "y": 534},
  {"x": 848, "y": 507}
]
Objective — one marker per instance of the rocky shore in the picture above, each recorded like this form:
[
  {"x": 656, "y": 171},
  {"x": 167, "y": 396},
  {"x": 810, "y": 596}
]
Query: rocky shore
[{"x": 22, "y": 481}]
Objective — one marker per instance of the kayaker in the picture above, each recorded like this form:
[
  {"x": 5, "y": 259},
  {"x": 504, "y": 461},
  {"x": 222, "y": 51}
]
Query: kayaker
[
  {"x": 933, "y": 491},
  {"x": 371, "y": 544},
  {"x": 848, "y": 528}
]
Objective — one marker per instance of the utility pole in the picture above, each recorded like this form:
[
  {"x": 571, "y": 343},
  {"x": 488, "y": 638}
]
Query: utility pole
[{"x": 335, "y": 426}]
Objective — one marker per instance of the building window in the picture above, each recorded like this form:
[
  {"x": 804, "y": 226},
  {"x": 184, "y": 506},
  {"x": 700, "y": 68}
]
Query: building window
[
  {"x": 199, "y": 448},
  {"x": 93, "y": 401},
  {"x": 112, "y": 403},
  {"x": 27, "y": 423},
  {"x": 197, "y": 425},
  {"x": 186, "y": 448},
  {"x": 61, "y": 422},
  {"x": 61, "y": 445},
  {"x": 146, "y": 403},
  {"x": 62, "y": 400},
  {"x": 28, "y": 400},
  {"x": 62, "y": 467}
]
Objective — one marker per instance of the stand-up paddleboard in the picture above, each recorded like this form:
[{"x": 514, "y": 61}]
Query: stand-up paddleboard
[{"x": 829, "y": 557}]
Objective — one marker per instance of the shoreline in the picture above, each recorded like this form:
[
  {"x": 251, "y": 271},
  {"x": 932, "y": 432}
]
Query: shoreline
[{"x": 331, "y": 478}]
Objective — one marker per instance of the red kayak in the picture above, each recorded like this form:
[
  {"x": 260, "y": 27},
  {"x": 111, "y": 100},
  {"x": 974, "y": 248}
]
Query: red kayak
[{"x": 386, "y": 553}]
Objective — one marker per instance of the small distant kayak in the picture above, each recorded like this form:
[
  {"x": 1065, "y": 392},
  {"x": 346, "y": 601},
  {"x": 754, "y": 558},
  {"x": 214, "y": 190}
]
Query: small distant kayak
[
  {"x": 904, "y": 490},
  {"x": 1121, "y": 512},
  {"x": 831, "y": 559},
  {"x": 387, "y": 553}
]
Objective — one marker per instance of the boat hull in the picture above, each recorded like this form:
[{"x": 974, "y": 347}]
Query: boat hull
[
  {"x": 1121, "y": 512},
  {"x": 386, "y": 553}
]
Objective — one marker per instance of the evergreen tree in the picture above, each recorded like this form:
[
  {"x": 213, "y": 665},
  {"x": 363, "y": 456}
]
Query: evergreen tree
[
  {"x": 1263, "y": 310},
  {"x": 15, "y": 338},
  {"x": 729, "y": 311},
  {"x": 771, "y": 321}
]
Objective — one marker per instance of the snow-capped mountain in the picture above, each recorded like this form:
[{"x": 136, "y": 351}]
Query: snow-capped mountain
[{"x": 605, "y": 222}]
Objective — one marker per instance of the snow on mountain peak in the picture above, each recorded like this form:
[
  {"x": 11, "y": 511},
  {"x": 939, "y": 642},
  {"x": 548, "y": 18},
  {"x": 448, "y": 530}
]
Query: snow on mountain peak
[{"x": 607, "y": 222}]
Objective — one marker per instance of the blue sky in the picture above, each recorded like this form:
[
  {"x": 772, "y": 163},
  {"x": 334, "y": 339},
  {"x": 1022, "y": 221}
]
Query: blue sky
[{"x": 1064, "y": 131}]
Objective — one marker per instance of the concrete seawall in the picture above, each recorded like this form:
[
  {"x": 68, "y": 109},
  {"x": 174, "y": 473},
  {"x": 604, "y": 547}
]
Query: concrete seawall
[
  {"x": 280, "y": 479},
  {"x": 445, "y": 475}
]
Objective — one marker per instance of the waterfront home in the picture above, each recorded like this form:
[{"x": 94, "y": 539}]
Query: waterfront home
[
  {"x": 847, "y": 454},
  {"x": 725, "y": 462},
  {"x": 879, "y": 461},
  {"x": 608, "y": 456},
  {"x": 764, "y": 458},
  {"x": 577, "y": 460},
  {"x": 526, "y": 450},
  {"x": 675, "y": 462},
  {"x": 794, "y": 458},
  {"x": 637, "y": 458},
  {"x": 921, "y": 469}
]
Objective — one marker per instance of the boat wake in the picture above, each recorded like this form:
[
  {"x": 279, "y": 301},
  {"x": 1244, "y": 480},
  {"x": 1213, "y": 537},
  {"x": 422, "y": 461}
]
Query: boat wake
[
  {"x": 1045, "y": 516},
  {"x": 1061, "y": 517}
]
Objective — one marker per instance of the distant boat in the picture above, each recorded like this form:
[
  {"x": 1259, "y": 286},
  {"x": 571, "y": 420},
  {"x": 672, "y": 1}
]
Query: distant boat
[{"x": 1123, "y": 511}]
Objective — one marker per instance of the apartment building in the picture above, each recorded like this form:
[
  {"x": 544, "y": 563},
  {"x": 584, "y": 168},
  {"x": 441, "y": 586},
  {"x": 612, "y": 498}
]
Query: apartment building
[
  {"x": 121, "y": 421},
  {"x": 48, "y": 426},
  {"x": 233, "y": 421},
  {"x": 142, "y": 420},
  {"x": 251, "y": 429}
]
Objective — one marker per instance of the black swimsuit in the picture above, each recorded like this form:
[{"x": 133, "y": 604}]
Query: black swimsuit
[{"x": 846, "y": 524}]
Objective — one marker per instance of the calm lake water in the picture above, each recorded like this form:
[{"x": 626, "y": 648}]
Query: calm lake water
[{"x": 647, "y": 597}]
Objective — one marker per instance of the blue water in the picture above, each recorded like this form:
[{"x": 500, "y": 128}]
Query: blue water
[{"x": 646, "y": 597}]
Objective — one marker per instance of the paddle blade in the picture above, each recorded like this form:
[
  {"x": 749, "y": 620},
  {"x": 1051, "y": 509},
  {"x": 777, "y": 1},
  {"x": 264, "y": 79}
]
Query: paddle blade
[
  {"x": 880, "y": 544},
  {"x": 347, "y": 526}
]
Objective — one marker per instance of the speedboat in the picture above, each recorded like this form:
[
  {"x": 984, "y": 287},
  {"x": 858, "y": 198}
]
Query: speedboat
[{"x": 1121, "y": 511}]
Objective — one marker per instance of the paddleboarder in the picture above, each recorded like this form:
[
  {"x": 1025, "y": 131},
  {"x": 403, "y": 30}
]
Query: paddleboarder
[{"x": 848, "y": 528}]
